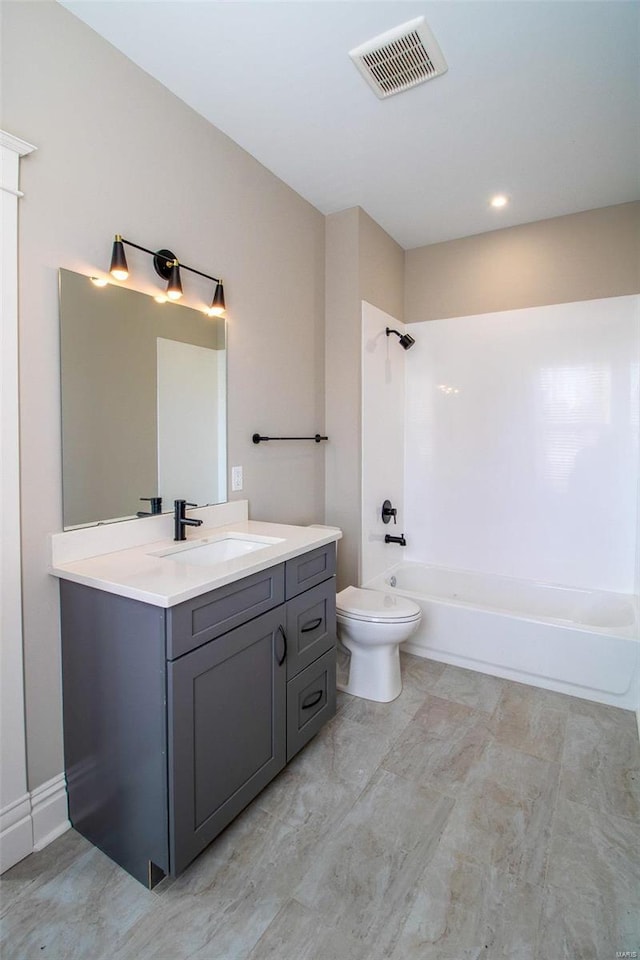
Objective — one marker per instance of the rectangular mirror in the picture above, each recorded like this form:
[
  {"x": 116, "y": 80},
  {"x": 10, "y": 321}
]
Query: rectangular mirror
[{"x": 143, "y": 402}]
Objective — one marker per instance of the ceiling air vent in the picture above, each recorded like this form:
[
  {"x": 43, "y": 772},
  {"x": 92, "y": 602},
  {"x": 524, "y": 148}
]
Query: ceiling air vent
[{"x": 400, "y": 58}]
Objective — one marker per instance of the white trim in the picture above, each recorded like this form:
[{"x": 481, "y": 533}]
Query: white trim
[
  {"x": 16, "y": 833},
  {"x": 49, "y": 811},
  {"x": 33, "y": 821},
  {"x": 14, "y": 193},
  {"x": 16, "y": 828},
  {"x": 21, "y": 147},
  {"x": 15, "y": 811}
]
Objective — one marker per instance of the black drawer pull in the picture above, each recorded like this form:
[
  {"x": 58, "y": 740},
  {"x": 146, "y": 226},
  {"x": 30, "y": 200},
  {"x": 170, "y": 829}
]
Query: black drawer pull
[
  {"x": 308, "y": 702},
  {"x": 308, "y": 627},
  {"x": 282, "y": 659}
]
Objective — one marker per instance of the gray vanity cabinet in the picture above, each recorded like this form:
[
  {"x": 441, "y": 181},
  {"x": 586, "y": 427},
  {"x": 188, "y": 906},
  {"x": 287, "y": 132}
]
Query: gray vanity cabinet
[
  {"x": 115, "y": 725},
  {"x": 227, "y": 704},
  {"x": 175, "y": 719}
]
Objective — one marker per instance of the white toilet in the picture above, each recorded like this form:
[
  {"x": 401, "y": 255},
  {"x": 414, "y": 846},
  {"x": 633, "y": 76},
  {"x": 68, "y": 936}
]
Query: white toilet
[{"x": 372, "y": 625}]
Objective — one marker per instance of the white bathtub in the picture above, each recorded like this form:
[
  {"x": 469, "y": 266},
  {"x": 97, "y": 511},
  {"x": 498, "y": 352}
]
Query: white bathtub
[{"x": 581, "y": 642}]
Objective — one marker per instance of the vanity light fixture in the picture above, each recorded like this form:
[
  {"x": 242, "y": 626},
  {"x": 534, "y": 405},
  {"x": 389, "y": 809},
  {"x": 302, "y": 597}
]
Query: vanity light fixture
[
  {"x": 167, "y": 266},
  {"x": 174, "y": 287},
  {"x": 118, "y": 268},
  {"x": 217, "y": 307}
]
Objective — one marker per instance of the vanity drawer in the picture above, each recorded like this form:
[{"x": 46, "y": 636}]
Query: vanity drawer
[
  {"x": 310, "y": 569},
  {"x": 199, "y": 620},
  {"x": 311, "y": 626},
  {"x": 311, "y": 701}
]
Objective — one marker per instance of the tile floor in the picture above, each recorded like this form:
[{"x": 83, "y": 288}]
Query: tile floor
[{"x": 471, "y": 818}]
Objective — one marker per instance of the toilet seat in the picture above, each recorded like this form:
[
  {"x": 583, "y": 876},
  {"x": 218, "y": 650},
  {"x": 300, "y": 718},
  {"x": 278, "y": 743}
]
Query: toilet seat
[{"x": 373, "y": 606}]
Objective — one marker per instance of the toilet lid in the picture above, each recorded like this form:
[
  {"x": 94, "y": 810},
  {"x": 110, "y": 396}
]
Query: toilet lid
[{"x": 358, "y": 603}]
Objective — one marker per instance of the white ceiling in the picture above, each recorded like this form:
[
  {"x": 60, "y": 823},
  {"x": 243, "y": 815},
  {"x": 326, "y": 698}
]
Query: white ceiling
[{"x": 541, "y": 101}]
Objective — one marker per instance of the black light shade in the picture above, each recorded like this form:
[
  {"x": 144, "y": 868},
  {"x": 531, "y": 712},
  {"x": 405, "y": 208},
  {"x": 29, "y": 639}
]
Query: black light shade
[
  {"x": 218, "y": 304},
  {"x": 118, "y": 268},
  {"x": 174, "y": 287}
]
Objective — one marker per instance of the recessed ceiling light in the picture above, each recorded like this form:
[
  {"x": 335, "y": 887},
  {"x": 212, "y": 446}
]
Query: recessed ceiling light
[{"x": 499, "y": 200}]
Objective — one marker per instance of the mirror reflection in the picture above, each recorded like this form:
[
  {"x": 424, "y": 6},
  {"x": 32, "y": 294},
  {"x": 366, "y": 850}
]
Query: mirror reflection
[{"x": 143, "y": 402}]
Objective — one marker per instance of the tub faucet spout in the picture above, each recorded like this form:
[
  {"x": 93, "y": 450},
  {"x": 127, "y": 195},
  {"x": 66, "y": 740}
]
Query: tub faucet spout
[{"x": 401, "y": 540}]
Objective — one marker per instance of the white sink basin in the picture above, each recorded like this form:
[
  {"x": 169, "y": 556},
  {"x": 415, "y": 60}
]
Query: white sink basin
[{"x": 208, "y": 552}]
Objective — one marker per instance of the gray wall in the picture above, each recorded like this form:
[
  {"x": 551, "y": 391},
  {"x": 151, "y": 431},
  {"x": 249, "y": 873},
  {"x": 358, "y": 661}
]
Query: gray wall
[
  {"x": 118, "y": 153},
  {"x": 584, "y": 256},
  {"x": 381, "y": 263},
  {"x": 362, "y": 263}
]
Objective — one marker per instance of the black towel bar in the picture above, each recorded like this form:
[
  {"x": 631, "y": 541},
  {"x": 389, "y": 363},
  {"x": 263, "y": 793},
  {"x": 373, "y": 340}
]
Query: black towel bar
[{"x": 257, "y": 438}]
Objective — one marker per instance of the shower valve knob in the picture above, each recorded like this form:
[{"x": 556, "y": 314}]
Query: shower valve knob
[{"x": 388, "y": 511}]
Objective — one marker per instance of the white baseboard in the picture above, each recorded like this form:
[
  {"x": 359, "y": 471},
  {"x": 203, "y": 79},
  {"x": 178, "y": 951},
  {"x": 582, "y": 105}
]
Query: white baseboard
[
  {"x": 33, "y": 821},
  {"x": 49, "y": 811},
  {"x": 16, "y": 832}
]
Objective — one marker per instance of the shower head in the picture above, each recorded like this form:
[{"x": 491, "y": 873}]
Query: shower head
[{"x": 406, "y": 341}]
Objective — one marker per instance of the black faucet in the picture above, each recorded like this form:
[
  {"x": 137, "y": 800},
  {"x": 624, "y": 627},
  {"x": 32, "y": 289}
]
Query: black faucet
[
  {"x": 401, "y": 540},
  {"x": 180, "y": 521},
  {"x": 156, "y": 507}
]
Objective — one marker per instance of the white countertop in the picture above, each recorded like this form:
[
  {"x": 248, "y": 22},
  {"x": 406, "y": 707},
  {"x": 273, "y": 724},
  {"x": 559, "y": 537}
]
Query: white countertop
[{"x": 138, "y": 574}]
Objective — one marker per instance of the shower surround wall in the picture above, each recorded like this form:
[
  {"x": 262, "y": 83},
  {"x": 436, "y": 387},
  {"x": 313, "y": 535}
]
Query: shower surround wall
[
  {"x": 521, "y": 443},
  {"x": 520, "y": 436},
  {"x": 383, "y": 379}
]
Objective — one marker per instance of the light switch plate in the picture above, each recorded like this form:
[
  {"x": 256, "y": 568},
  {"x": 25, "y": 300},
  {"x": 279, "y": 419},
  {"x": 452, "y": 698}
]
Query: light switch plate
[{"x": 236, "y": 478}]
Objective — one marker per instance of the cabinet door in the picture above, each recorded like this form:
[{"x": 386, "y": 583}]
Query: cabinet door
[
  {"x": 227, "y": 730},
  {"x": 311, "y": 701},
  {"x": 311, "y": 626}
]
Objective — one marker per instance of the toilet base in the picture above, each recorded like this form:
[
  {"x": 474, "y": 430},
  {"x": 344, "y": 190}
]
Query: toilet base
[{"x": 374, "y": 672}]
